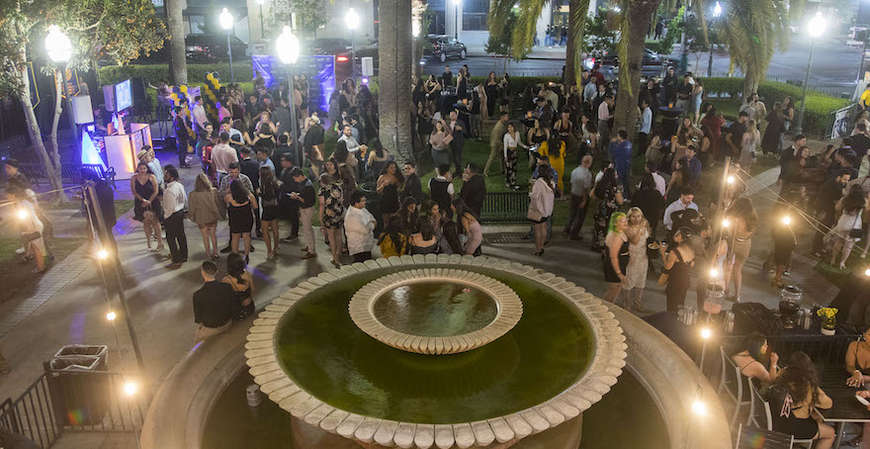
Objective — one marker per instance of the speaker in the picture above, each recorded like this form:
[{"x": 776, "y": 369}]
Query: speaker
[
  {"x": 109, "y": 97},
  {"x": 81, "y": 109},
  {"x": 138, "y": 87}
]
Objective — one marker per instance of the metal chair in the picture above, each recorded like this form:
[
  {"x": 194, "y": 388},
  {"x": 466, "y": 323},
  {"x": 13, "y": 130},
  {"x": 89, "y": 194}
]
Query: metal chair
[
  {"x": 768, "y": 417},
  {"x": 726, "y": 384},
  {"x": 749, "y": 438}
]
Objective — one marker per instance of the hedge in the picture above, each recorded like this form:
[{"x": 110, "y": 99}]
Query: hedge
[
  {"x": 818, "y": 117},
  {"x": 154, "y": 73}
]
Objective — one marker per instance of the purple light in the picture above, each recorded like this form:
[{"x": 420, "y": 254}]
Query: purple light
[{"x": 365, "y": 80}]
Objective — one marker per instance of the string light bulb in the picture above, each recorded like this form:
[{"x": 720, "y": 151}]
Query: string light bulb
[
  {"x": 706, "y": 333},
  {"x": 111, "y": 316},
  {"x": 102, "y": 254},
  {"x": 21, "y": 213},
  {"x": 714, "y": 273},
  {"x": 786, "y": 220},
  {"x": 726, "y": 222},
  {"x": 131, "y": 387},
  {"x": 730, "y": 179},
  {"x": 699, "y": 407},
  {"x": 867, "y": 272}
]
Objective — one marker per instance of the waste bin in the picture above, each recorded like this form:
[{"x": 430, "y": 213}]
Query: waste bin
[{"x": 79, "y": 385}]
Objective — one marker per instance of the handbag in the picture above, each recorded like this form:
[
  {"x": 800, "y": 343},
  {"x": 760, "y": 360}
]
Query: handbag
[
  {"x": 859, "y": 232},
  {"x": 663, "y": 278},
  {"x": 534, "y": 215}
]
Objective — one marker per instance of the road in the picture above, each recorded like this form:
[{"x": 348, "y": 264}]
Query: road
[{"x": 834, "y": 70}]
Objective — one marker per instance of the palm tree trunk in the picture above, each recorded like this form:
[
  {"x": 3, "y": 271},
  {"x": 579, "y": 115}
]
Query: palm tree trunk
[
  {"x": 394, "y": 98},
  {"x": 750, "y": 84},
  {"x": 177, "y": 57},
  {"x": 638, "y": 15},
  {"x": 578, "y": 10},
  {"x": 51, "y": 164}
]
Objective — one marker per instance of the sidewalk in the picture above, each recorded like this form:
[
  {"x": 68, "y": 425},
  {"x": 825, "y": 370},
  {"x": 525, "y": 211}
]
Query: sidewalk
[{"x": 70, "y": 305}]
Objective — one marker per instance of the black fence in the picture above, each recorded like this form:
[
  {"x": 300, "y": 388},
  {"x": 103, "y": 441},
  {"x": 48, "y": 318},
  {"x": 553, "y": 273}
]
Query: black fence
[
  {"x": 505, "y": 207},
  {"x": 59, "y": 402}
]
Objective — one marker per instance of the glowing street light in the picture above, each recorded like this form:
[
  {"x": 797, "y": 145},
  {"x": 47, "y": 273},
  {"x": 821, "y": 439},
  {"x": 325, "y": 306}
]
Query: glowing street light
[
  {"x": 58, "y": 45},
  {"x": 816, "y": 27},
  {"x": 288, "y": 48},
  {"x": 351, "y": 20},
  {"x": 111, "y": 316},
  {"x": 226, "y": 21},
  {"x": 717, "y": 10}
]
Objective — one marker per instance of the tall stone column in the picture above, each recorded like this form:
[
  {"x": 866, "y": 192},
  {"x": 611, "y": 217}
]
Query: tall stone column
[{"x": 394, "y": 77}]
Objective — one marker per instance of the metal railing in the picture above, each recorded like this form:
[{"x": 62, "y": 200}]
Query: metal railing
[
  {"x": 59, "y": 402},
  {"x": 505, "y": 207}
]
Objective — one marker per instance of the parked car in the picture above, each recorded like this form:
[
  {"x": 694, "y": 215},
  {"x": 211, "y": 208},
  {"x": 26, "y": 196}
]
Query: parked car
[
  {"x": 442, "y": 47},
  {"x": 213, "y": 47}
]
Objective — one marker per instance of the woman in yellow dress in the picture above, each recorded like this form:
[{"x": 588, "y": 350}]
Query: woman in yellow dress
[{"x": 554, "y": 150}]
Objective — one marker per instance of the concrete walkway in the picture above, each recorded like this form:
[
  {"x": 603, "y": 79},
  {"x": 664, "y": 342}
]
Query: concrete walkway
[{"x": 71, "y": 304}]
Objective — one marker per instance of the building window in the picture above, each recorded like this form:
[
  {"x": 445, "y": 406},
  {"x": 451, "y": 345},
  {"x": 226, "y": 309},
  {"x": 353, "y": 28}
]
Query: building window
[
  {"x": 197, "y": 24},
  {"x": 474, "y": 21}
]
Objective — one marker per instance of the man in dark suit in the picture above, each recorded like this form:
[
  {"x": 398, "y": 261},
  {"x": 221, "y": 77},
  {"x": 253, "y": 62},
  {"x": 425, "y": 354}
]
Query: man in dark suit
[
  {"x": 251, "y": 168},
  {"x": 289, "y": 209},
  {"x": 473, "y": 189}
]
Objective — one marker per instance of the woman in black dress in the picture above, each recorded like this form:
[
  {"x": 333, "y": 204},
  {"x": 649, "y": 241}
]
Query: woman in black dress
[
  {"x": 795, "y": 396},
  {"x": 609, "y": 193},
  {"x": 388, "y": 188},
  {"x": 146, "y": 209},
  {"x": 678, "y": 262},
  {"x": 270, "y": 189},
  {"x": 615, "y": 256},
  {"x": 240, "y": 209}
]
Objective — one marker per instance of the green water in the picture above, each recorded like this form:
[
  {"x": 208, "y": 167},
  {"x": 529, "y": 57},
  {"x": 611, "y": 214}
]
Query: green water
[
  {"x": 329, "y": 357},
  {"x": 626, "y": 417},
  {"x": 435, "y": 309}
]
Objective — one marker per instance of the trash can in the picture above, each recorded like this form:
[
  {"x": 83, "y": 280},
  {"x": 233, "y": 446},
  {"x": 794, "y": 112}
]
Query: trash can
[{"x": 79, "y": 386}]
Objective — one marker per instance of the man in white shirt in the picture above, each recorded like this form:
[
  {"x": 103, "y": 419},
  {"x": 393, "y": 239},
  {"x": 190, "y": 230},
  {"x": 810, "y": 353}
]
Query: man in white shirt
[
  {"x": 590, "y": 89},
  {"x": 661, "y": 185},
  {"x": 581, "y": 184},
  {"x": 645, "y": 127},
  {"x": 199, "y": 116},
  {"x": 604, "y": 121},
  {"x": 174, "y": 201},
  {"x": 350, "y": 141},
  {"x": 359, "y": 224},
  {"x": 222, "y": 155},
  {"x": 227, "y": 127},
  {"x": 687, "y": 195}
]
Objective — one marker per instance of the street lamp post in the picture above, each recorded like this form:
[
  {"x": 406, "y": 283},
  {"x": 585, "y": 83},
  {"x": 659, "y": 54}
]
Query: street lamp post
[
  {"x": 262, "y": 28},
  {"x": 226, "y": 21},
  {"x": 287, "y": 45},
  {"x": 717, "y": 11},
  {"x": 815, "y": 28},
  {"x": 456, "y": 4},
  {"x": 351, "y": 20}
]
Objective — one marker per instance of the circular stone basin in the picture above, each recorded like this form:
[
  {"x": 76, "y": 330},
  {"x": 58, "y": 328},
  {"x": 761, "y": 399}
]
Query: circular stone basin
[
  {"x": 310, "y": 358},
  {"x": 435, "y": 310}
]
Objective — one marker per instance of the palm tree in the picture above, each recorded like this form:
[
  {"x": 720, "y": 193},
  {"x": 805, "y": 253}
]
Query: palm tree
[
  {"x": 634, "y": 23},
  {"x": 753, "y": 30},
  {"x": 394, "y": 97},
  {"x": 525, "y": 29},
  {"x": 177, "y": 56}
]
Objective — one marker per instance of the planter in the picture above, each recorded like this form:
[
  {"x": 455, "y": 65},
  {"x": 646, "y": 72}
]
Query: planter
[{"x": 826, "y": 331}]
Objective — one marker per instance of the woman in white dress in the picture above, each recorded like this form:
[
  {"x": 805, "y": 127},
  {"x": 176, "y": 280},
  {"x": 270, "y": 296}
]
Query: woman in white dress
[
  {"x": 637, "y": 232},
  {"x": 751, "y": 140}
]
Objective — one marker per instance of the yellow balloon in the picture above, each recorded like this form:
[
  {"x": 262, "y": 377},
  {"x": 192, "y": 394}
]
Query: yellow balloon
[{"x": 183, "y": 88}]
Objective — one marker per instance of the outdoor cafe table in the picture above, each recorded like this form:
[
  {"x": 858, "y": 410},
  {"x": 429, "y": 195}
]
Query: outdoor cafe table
[{"x": 846, "y": 408}]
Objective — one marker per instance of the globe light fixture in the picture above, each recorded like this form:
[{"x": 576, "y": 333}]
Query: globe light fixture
[
  {"x": 816, "y": 27},
  {"x": 717, "y": 10},
  {"x": 226, "y": 19},
  {"x": 287, "y": 45},
  {"x": 57, "y": 45},
  {"x": 351, "y": 19}
]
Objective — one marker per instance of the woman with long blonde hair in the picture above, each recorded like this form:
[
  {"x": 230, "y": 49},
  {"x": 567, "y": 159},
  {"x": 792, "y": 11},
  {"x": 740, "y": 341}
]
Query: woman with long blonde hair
[{"x": 637, "y": 231}]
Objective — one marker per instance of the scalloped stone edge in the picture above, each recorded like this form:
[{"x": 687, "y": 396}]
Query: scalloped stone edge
[
  {"x": 600, "y": 376},
  {"x": 508, "y": 314}
]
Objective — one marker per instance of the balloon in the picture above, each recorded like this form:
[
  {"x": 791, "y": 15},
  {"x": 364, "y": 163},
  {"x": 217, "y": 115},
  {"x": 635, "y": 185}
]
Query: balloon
[
  {"x": 183, "y": 89},
  {"x": 175, "y": 89}
]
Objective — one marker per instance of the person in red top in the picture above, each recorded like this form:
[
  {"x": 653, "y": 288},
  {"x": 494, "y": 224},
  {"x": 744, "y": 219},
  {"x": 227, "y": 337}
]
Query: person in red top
[{"x": 711, "y": 125}]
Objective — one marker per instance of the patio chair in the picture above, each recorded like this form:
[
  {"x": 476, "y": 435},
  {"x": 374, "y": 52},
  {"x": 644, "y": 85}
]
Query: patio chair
[
  {"x": 749, "y": 438},
  {"x": 768, "y": 417},
  {"x": 731, "y": 381}
]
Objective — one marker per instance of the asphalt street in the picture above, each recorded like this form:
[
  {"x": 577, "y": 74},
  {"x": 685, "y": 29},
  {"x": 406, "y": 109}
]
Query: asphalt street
[{"x": 835, "y": 66}]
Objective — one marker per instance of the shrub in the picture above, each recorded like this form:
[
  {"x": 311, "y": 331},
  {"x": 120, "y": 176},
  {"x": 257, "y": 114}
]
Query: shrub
[
  {"x": 818, "y": 117},
  {"x": 154, "y": 73}
]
